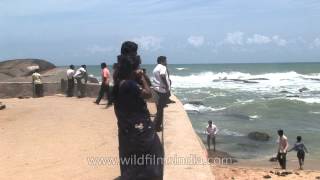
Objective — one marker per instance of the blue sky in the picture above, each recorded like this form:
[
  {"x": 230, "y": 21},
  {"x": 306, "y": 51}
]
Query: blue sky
[{"x": 186, "y": 31}]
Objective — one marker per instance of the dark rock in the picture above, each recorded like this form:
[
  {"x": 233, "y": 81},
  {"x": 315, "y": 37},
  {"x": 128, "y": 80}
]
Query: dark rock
[
  {"x": 2, "y": 106},
  {"x": 259, "y": 79},
  {"x": 195, "y": 102},
  {"x": 267, "y": 177},
  {"x": 284, "y": 91},
  {"x": 303, "y": 89},
  {"x": 258, "y": 136},
  {"x": 290, "y": 96},
  {"x": 318, "y": 177},
  {"x": 244, "y": 81}
]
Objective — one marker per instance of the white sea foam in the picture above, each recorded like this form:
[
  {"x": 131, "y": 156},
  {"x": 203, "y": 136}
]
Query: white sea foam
[
  {"x": 180, "y": 69},
  {"x": 228, "y": 132},
  {"x": 254, "y": 117},
  {"x": 313, "y": 100},
  {"x": 314, "y": 112},
  {"x": 245, "y": 101},
  {"x": 270, "y": 82},
  {"x": 201, "y": 108}
]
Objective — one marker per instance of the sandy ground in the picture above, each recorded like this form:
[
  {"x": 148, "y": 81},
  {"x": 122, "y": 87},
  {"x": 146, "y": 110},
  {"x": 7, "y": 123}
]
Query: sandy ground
[
  {"x": 55, "y": 137},
  {"x": 69, "y": 138}
]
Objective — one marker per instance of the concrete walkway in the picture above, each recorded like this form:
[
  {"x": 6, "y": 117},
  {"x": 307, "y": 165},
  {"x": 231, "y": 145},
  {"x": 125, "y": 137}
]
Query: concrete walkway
[{"x": 69, "y": 138}]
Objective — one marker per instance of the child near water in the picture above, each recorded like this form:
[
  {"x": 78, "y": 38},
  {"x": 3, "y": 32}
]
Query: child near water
[{"x": 301, "y": 149}]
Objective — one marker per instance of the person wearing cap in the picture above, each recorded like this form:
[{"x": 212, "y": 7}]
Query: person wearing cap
[
  {"x": 37, "y": 83},
  {"x": 211, "y": 132},
  {"x": 70, "y": 74},
  {"x": 282, "y": 149},
  {"x": 81, "y": 77}
]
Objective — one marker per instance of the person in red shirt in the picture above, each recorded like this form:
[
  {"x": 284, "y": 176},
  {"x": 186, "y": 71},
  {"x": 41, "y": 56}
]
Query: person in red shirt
[{"x": 104, "y": 88}]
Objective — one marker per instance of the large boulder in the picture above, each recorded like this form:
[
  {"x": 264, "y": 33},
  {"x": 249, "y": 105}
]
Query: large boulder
[
  {"x": 23, "y": 67},
  {"x": 259, "y": 136}
]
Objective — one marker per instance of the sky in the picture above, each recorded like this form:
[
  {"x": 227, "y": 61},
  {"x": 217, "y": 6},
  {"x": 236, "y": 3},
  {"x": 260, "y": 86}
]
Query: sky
[{"x": 186, "y": 31}]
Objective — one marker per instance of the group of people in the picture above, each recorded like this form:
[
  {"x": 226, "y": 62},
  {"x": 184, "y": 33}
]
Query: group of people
[
  {"x": 137, "y": 133},
  {"x": 283, "y": 148},
  {"x": 81, "y": 77}
]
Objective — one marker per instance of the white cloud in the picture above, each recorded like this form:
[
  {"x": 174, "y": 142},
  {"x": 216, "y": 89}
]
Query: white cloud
[
  {"x": 315, "y": 43},
  {"x": 95, "y": 49},
  {"x": 235, "y": 38},
  {"x": 259, "y": 39},
  {"x": 279, "y": 41},
  {"x": 149, "y": 43},
  {"x": 196, "y": 41}
]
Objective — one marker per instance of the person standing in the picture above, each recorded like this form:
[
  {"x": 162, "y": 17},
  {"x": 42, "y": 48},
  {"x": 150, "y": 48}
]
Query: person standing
[
  {"x": 81, "y": 77},
  {"x": 161, "y": 86},
  {"x": 104, "y": 88},
  {"x": 136, "y": 134},
  {"x": 301, "y": 150},
  {"x": 37, "y": 84},
  {"x": 70, "y": 74},
  {"x": 211, "y": 132},
  {"x": 282, "y": 149}
]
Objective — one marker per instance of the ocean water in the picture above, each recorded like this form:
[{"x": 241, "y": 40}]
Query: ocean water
[{"x": 241, "y": 98}]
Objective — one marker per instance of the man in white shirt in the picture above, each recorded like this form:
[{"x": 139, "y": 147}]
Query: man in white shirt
[
  {"x": 81, "y": 77},
  {"x": 70, "y": 74},
  {"x": 37, "y": 84},
  {"x": 282, "y": 149},
  {"x": 211, "y": 132},
  {"x": 161, "y": 86}
]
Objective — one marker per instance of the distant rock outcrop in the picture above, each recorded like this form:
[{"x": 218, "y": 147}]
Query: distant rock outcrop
[
  {"x": 23, "y": 67},
  {"x": 19, "y": 70}
]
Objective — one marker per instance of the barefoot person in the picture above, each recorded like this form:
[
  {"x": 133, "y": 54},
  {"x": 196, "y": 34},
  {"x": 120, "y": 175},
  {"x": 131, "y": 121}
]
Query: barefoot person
[
  {"x": 161, "y": 86},
  {"x": 282, "y": 149},
  {"x": 104, "y": 88},
  {"x": 70, "y": 74},
  {"x": 211, "y": 132},
  {"x": 137, "y": 136},
  {"x": 301, "y": 149}
]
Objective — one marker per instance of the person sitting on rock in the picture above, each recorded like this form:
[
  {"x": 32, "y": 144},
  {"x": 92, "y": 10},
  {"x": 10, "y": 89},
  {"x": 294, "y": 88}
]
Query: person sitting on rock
[
  {"x": 211, "y": 132},
  {"x": 301, "y": 149},
  {"x": 37, "y": 84}
]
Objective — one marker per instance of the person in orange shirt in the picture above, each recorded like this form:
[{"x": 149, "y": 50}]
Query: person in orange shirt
[{"x": 104, "y": 88}]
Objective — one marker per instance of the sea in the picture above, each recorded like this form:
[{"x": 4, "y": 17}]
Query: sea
[{"x": 244, "y": 98}]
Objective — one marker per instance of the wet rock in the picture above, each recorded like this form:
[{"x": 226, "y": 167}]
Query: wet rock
[
  {"x": 259, "y": 79},
  {"x": 195, "y": 102},
  {"x": 284, "y": 92},
  {"x": 259, "y": 136},
  {"x": 292, "y": 96},
  {"x": 303, "y": 89},
  {"x": 221, "y": 158}
]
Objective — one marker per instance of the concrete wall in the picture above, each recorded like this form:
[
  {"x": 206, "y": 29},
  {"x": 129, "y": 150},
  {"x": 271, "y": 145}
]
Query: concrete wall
[{"x": 17, "y": 89}]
